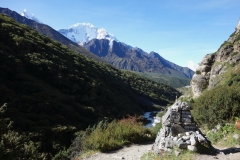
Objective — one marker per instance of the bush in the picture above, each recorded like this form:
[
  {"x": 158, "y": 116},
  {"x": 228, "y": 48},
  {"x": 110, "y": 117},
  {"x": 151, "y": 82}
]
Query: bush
[
  {"x": 156, "y": 129},
  {"x": 224, "y": 136},
  {"x": 218, "y": 105},
  {"x": 198, "y": 72},
  {"x": 108, "y": 136},
  {"x": 14, "y": 145},
  {"x": 234, "y": 53},
  {"x": 62, "y": 155}
]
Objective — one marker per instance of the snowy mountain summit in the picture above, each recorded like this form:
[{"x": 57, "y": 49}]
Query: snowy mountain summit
[
  {"x": 82, "y": 33},
  {"x": 29, "y": 16}
]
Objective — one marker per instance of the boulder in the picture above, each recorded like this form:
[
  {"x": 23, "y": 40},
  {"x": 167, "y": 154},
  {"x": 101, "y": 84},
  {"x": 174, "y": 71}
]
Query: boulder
[
  {"x": 193, "y": 140},
  {"x": 198, "y": 84},
  {"x": 192, "y": 148}
]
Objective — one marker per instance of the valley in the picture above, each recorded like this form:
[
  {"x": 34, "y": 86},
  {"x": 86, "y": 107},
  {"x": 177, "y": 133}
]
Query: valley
[
  {"x": 104, "y": 47},
  {"x": 53, "y": 91},
  {"x": 81, "y": 93}
]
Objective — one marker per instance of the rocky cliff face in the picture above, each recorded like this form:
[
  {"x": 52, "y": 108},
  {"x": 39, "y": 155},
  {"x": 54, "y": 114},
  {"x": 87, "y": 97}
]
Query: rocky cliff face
[{"x": 213, "y": 67}]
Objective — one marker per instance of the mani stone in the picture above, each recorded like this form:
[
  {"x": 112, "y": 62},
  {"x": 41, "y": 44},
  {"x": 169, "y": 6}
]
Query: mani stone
[{"x": 178, "y": 129}]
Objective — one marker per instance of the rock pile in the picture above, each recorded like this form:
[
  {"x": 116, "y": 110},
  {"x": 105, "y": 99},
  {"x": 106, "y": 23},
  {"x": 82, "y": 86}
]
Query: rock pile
[{"x": 180, "y": 130}]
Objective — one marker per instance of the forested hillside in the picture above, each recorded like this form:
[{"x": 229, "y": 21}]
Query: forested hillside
[
  {"x": 53, "y": 91},
  {"x": 173, "y": 81}
]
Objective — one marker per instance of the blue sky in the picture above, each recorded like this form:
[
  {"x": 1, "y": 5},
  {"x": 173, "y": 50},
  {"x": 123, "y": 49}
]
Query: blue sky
[{"x": 181, "y": 31}]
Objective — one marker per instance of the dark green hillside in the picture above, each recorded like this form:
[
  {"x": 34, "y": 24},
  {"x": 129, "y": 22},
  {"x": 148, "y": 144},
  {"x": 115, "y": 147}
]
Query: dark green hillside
[
  {"x": 175, "y": 82},
  {"x": 53, "y": 91}
]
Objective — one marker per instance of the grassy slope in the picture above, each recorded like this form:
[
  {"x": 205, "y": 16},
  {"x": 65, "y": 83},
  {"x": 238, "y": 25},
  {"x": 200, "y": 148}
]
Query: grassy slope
[
  {"x": 174, "y": 81},
  {"x": 53, "y": 91}
]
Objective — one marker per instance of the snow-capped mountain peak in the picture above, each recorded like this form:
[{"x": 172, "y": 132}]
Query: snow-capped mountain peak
[
  {"x": 84, "y": 32},
  {"x": 29, "y": 16}
]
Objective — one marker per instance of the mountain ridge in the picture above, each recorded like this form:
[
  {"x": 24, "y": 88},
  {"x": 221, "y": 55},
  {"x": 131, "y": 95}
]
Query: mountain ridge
[
  {"x": 135, "y": 59},
  {"x": 119, "y": 54},
  {"x": 30, "y": 16},
  {"x": 126, "y": 64},
  {"x": 48, "y": 31}
]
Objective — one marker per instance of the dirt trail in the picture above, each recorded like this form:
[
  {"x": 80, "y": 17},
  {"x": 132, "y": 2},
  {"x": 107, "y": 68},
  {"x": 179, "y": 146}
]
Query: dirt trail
[
  {"x": 134, "y": 152},
  {"x": 224, "y": 154}
]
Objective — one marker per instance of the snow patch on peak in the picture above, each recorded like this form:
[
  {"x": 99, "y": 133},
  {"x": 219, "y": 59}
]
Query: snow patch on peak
[
  {"x": 101, "y": 33},
  {"x": 111, "y": 43},
  {"x": 30, "y": 16},
  {"x": 82, "y": 33}
]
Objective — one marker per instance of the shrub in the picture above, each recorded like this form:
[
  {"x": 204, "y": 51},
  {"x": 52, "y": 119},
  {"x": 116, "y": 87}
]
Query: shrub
[
  {"x": 218, "y": 105},
  {"x": 198, "y": 72},
  {"x": 14, "y": 145},
  {"x": 226, "y": 43},
  {"x": 62, "y": 155},
  {"x": 237, "y": 125},
  {"x": 108, "y": 136},
  {"x": 224, "y": 136},
  {"x": 234, "y": 53},
  {"x": 156, "y": 129}
]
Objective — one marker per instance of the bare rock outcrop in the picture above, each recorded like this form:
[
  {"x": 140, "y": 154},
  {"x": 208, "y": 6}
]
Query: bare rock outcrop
[
  {"x": 201, "y": 77},
  {"x": 213, "y": 66}
]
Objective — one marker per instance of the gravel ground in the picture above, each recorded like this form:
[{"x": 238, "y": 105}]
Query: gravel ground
[
  {"x": 224, "y": 154},
  {"x": 134, "y": 152}
]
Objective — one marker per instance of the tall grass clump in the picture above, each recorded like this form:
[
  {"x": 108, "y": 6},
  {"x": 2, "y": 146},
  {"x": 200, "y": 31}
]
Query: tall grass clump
[{"x": 106, "y": 136}]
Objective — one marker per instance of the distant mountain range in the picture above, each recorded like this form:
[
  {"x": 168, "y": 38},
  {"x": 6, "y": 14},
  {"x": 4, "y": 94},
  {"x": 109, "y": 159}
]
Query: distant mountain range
[
  {"x": 105, "y": 47},
  {"x": 121, "y": 55},
  {"x": 126, "y": 57}
]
